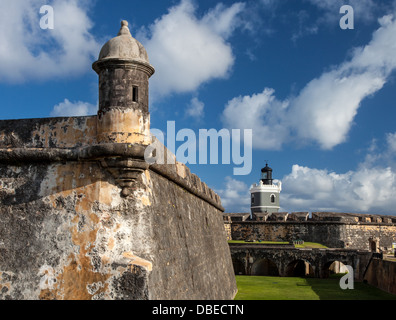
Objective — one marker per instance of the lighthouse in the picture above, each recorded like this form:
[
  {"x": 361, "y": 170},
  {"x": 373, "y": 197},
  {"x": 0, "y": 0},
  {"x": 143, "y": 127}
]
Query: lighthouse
[{"x": 265, "y": 194}]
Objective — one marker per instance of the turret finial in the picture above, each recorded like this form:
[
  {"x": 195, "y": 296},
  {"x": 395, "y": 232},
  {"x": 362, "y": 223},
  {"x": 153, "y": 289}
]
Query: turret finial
[{"x": 124, "y": 28}]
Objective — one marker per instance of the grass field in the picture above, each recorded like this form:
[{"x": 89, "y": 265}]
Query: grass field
[
  {"x": 257, "y": 242},
  {"x": 304, "y": 245},
  {"x": 291, "y": 288}
]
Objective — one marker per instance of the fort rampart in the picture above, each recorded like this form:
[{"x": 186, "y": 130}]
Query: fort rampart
[
  {"x": 68, "y": 232},
  {"x": 381, "y": 274},
  {"x": 334, "y": 230},
  {"x": 84, "y": 215}
]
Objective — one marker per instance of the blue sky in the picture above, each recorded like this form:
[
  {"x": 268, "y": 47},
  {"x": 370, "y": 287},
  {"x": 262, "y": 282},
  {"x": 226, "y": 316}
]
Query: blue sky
[{"x": 319, "y": 99}]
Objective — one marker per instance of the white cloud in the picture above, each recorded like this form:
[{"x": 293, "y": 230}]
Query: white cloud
[
  {"x": 371, "y": 188},
  {"x": 28, "y": 52},
  {"x": 235, "y": 197},
  {"x": 304, "y": 26},
  {"x": 324, "y": 111},
  {"x": 381, "y": 153},
  {"x": 263, "y": 114},
  {"x": 188, "y": 51},
  {"x": 365, "y": 190},
  {"x": 224, "y": 20},
  {"x": 195, "y": 109},
  {"x": 391, "y": 141},
  {"x": 76, "y": 109}
]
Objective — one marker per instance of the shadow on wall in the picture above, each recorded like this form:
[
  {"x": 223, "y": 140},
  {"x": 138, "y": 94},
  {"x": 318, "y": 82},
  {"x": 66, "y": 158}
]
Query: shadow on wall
[{"x": 264, "y": 267}]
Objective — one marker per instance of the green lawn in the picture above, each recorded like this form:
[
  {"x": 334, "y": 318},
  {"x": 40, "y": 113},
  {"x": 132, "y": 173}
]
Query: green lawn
[
  {"x": 257, "y": 242},
  {"x": 291, "y": 288},
  {"x": 305, "y": 245},
  {"x": 310, "y": 245}
]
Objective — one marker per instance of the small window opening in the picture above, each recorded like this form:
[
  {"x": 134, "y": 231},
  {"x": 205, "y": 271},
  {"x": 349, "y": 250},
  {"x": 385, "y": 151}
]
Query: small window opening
[
  {"x": 135, "y": 96},
  {"x": 272, "y": 198},
  {"x": 252, "y": 198}
]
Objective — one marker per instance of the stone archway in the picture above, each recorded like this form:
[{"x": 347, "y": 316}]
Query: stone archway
[
  {"x": 334, "y": 267},
  {"x": 264, "y": 267},
  {"x": 373, "y": 245},
  {"x": 299, "y": 268},
  {"x": 239, "y": 267}
]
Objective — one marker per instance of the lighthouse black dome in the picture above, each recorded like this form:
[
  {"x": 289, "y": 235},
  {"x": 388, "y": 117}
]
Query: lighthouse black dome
[
  {"x": 266, "y": 169},
  {"x": 266, "y": 175}
]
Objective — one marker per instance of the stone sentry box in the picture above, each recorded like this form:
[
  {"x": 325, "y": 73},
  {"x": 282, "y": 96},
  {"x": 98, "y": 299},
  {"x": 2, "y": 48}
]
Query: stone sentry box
[{"x": 84, "y": 216}]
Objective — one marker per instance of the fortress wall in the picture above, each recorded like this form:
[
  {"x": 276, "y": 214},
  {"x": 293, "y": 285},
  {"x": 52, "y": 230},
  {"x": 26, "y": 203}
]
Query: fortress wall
[
  {"x": 334, "y": 230},
  {"x": 62, "y": 236},
  {"x": 67, "y": 231},
  {"x": 381, "y": 274},
  {"x": 326, "y": 234},
  {"x": 362, "y": 235},
  {"x": 48, "y": 132},
  {"x": 190, "y": 246}
]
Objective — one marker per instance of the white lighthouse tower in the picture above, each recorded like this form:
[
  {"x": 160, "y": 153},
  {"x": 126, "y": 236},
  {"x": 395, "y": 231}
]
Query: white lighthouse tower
[{"x": 265, "y": 194}]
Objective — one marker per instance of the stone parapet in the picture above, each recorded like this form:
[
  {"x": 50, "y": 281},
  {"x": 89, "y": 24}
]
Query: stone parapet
[
  {"x": 73, "y": 139},
  {"x": 316, "y": 217}
]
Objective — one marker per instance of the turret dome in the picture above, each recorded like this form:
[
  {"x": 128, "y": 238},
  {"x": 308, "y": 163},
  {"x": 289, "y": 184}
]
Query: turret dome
[{"x": 124, "y": 47}]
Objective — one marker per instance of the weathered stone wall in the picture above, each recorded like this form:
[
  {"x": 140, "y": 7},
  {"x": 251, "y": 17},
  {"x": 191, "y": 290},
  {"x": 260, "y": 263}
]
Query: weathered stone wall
[
  {"x": 83, "y": 215},
  {"x": 190, "y": 246},
  {"x": 381, "y": 274},
  {"x": 248, "y": 259},
  {"x": 54, "y": 133},
  {"x": 364, "y": 234},
  {"x": 67, "y": 231},
  {"x": 333, "y": 230},
  {"x": 325, "y": 233},
  {"x": 227, "y": 227}
]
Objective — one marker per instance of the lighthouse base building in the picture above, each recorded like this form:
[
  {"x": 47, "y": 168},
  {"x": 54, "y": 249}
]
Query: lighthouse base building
[
  {"x": 265, "y": 198},
  {"x": 265, "y": 195}
]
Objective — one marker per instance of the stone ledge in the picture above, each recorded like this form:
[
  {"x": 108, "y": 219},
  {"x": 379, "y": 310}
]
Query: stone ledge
[
  {"x": 317, "y": 217},
  {"x": 178, "y": 173}
]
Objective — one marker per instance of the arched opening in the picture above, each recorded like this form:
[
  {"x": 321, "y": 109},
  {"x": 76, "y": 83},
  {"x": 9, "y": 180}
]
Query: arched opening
[
  {"x": 372, "y": 245},
  {"x": 272, "y": 198},
  {"x": 264, "y": 267},
  {"x": 299, "y": 268},
  {"x": 239, "y": 267},
  {"x": 334, "y": 268}
]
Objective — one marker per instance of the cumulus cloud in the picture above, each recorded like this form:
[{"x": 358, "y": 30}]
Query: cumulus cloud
[
  {"x": 325, "y": 109},
  {"x": 235, "y": 197},
  {"x": 391, "y": 141},
  {"x": 262, "y": 113},
  {"x": 187, "y": 50},
  {"x": 371, "y": 188},
  {"x": 29, "y": 52},
  {"x": 76, "y": 109},
  {"x": 195, "y": 109},
  {"x": 365, "y": 190}
]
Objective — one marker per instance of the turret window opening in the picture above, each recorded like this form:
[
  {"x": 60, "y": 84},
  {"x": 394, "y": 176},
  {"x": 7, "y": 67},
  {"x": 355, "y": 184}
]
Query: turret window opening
[
  {"x": 272, "y": 198},
  {"x": 135, "y": 94}
]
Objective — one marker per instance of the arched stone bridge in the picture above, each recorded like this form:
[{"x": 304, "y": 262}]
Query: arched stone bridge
[{"x": 285, "y": 260}]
